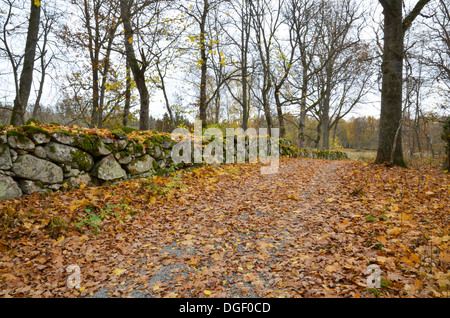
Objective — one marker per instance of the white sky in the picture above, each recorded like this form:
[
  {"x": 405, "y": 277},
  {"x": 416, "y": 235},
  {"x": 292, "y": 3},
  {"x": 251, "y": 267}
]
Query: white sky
[{"x": 157, "y": 108}]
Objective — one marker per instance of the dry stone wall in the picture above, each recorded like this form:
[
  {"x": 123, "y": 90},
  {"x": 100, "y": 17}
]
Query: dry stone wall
[
  {"x": 49, "y": 158},
  {"x": 35, "y": 160}
]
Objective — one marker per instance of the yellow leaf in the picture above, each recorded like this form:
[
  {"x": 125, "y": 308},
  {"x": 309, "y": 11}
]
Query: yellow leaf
[
  {"x": 221, "y": 53},
  {"x": 406, "y": 216},
  {"x": 329, "y": 200},
  {"x": 444, "y": 257},
  {"x": 394, "y": 231},
  {"x": 152, "y": 200},
  {"x": 407, "y": 261},
  {"x": 415, "y": 258},
  {"x": 130, "y": 40},
  {"x": 82, "y": 289},
  {"x": 82, "y": 185},
  {"x": 332, "y": 268},
  {"x": 37, "y": 3},
  {"x": 119, "y": 271},
  {"x": 381, "y": 259},
  {"x": 207, "y": 292}
]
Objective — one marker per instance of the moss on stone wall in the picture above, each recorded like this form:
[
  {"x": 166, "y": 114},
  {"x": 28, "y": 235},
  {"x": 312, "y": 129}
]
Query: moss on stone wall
[
  {"x": 35, "y": 130},
  {"x": 81, "y": 159}
]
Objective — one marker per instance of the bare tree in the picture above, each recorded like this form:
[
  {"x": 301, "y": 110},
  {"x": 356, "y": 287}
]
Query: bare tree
[
  {"x": 24, "y": 82},
  {"x": 266, "y": 20}
]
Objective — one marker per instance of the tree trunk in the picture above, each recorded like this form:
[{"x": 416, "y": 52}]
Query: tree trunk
[
  {"x": 126, "y": 109},
  {"x": 302, "y": 119},
  {"x": 446, "y": 137},
  {"x": 26, "y": 77},
  {"x": 245, "y": 39},
  {"x": 137, "y": 70},
  {"x": 204, "y": 67},
  {"x": 326, "y": 110},
  {"x": 266, "y": 105},
  {"x": 280, "y": 113},
  {"x": 104, "y": 73},
  {"x": 391, "y": 92}
]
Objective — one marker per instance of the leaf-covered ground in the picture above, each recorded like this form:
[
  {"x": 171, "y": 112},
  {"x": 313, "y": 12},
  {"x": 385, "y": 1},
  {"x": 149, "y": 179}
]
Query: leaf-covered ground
[{"x": 311, "y": 230}]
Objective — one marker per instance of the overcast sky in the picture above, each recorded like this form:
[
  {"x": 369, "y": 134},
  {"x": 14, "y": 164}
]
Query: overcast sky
[{"x": 157, "y": 108}]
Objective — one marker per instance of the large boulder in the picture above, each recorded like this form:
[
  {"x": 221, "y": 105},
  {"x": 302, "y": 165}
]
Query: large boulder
[
  {"x": 108, "y": 169},
  {"x": 69, "y": 155},
  {"x": 64, "y": 137},
  {"x": 9, "y": 189},
  {"x": 140, "y": 165},
  {"x": 37, "y": 134},
  {"x": 32, "y": 168},
  {"x": 155, "y": 152},
  {"x": 29, "y": 187},
  {"x": 40, "y": 138},
  {"x": 20, "y": 142},
  {"x": 5, "y": 157}
]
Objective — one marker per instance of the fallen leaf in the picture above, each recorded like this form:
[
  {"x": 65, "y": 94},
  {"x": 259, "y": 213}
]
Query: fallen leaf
[{"x": 118, "y": 271}]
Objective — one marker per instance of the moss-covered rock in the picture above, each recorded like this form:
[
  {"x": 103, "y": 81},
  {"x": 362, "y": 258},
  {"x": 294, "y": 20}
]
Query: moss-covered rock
[
  {"x": 128, "y": 130},
  {"x": 35, "y": 130},
  {"x": 119, "y": 134},
  {"x": 81, "y": 160},
  {"x": 19, "y": 140},
  {"x": 92, "y": 144},
  {"x": 69, "y": 155},
  {"x": 140, "y": 165},
  {"x": 32, "y": 120},
  {"x": 37, "y": 134}
]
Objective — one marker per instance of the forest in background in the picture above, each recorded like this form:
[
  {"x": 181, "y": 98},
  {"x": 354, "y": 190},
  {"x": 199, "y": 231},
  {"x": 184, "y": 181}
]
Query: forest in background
[{"x": 302, "y": 66}]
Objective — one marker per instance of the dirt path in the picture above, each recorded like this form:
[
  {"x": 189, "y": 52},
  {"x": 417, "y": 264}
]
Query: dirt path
[
  {"x": 256, "y": 236},
  {"x": 310, "y": 230}
]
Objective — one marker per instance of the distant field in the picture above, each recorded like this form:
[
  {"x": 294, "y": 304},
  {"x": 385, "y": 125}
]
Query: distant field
[
  {"x": 362, "y": 155},
  {"x": 416, "y": 161}
]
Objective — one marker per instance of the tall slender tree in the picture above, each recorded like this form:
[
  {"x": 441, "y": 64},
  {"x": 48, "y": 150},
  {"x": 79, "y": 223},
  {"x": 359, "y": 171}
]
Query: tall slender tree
[{"x": 23, "y": 87}]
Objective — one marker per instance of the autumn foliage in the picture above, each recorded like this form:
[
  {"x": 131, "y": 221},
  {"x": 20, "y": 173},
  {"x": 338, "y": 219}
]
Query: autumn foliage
[{"x": 311, "y": 230}]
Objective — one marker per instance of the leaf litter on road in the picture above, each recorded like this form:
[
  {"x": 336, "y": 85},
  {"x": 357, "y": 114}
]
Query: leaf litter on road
[{"x": 311, "y": 230}]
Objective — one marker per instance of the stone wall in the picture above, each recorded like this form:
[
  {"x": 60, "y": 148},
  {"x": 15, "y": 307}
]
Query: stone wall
[
  {"x": 33, "y": 159},
  {"x": 46, "y": 157}
]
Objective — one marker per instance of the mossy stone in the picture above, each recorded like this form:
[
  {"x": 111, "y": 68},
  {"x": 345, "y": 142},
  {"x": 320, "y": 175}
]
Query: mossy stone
[
  {"x": 82, "y": 159},
  {"x": 35, "y": 130},
  {"x": 128, "y": 130},
  {"x": 119, "y": 134}
]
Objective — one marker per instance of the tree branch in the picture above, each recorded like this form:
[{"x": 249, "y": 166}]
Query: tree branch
[{"x": 413, "y": 14}]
